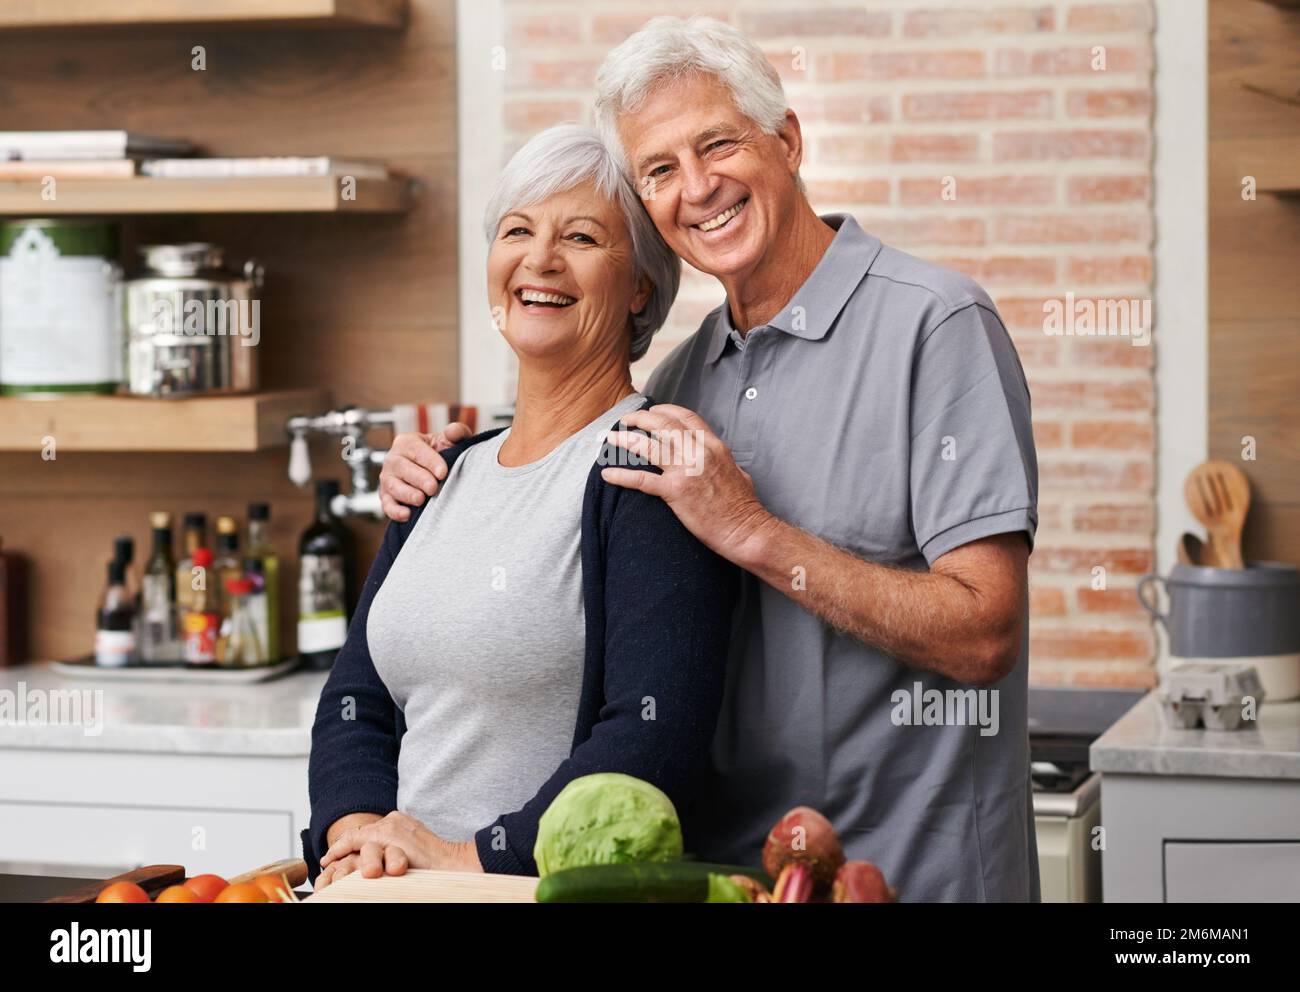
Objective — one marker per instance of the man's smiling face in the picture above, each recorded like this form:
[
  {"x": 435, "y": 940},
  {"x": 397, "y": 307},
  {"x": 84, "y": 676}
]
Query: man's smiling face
[{"x": 718, "y": 189}]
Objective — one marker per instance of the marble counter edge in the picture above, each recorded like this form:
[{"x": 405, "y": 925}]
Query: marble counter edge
[
  {"x": 263, "y": 719},
  {"x": 267, "y": 743},
  {"x": 1141, "y": 743}
]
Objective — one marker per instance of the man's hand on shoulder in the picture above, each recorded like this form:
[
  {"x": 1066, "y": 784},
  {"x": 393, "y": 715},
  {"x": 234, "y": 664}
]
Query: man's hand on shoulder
[
  {"x": 413, "y": 470},
  {"x": 711, "y": 495}
]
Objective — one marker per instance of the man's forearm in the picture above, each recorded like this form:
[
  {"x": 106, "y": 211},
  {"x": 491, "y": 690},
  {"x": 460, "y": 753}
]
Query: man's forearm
[{"x": 924, "y": 619}]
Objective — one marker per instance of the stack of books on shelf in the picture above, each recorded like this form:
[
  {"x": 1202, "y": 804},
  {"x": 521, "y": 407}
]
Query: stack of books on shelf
[
  {"x": 81, "y": 154},
  {"x": 33, "y": 155}
]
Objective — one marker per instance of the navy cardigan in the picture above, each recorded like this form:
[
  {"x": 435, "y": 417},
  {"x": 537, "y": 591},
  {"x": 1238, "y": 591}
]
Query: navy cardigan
[{"x": 658, "y": 608}]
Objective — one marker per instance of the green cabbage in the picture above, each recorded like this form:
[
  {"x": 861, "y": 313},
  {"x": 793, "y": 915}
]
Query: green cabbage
[{"x": 606, "y": 819}]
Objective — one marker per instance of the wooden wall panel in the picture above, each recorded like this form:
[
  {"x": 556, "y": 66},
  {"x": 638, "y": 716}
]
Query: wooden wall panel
[
  {"x": 1254, "y": 348},
  {"x": 364, "y": 306}
]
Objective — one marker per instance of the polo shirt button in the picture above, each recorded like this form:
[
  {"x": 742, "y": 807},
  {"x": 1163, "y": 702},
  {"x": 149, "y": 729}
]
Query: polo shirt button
[{"x": 750, "y": 393}]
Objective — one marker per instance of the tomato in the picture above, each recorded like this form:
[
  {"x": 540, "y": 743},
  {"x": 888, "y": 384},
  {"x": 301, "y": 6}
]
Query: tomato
[
  {"x": 275, "y": 887},
  {"x": 206, "y": 887},
  {"x": 243, "y": 892},
  {"x": 177, "y": 893},
  {"x": 123, "y": 892}
]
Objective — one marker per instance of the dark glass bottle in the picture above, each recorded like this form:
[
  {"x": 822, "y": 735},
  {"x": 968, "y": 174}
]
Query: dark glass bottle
[
  {"x": 324, "y": 582},
  {"x": 115, "y": 620}
]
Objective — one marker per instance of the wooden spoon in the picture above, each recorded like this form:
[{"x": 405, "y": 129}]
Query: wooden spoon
[
  {"x": 1218, "y": 495},
  {"x": 293, "y": 869}
]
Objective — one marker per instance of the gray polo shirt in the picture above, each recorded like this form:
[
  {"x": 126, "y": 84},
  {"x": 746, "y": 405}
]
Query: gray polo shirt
[{"x": 885, "y": 411}]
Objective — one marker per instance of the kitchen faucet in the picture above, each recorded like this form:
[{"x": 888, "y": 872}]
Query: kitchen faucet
[{"x": 352, "y": 425}]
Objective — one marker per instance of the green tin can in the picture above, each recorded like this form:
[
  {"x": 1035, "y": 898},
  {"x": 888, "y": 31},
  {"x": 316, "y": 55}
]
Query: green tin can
[{"x": 60, "y": 308}]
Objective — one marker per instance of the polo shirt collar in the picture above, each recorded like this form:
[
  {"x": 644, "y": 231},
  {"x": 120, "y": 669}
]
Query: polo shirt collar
[{"x": 820, "y": 299}]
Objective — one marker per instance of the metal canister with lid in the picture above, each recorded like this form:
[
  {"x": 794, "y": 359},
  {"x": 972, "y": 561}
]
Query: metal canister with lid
[
  {"x": 193, "y": 326},
  {"x": 60, "y": 307}
]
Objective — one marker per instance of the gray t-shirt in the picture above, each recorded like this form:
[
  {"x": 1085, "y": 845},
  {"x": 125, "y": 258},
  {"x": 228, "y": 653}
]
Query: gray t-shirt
[
  {"x": 478, "y": 632},
  {"x": 885, "y": 411}
]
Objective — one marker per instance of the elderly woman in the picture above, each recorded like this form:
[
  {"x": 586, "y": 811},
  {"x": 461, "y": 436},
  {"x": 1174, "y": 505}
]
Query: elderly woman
[{"x": 532, "y": 624}]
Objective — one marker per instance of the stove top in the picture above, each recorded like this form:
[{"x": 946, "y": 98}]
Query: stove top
[{"x": 1063, "y": 723}]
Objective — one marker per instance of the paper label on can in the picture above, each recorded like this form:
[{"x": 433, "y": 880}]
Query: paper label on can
[{"x": 59, "y": 321}]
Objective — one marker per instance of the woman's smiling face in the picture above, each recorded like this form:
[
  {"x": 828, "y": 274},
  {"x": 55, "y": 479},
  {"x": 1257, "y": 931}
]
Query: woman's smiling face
[{"x": 561, "y": 277}]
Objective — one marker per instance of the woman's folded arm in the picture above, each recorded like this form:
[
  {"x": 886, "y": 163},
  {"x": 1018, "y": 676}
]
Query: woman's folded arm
[{"x": 668, "y": 604}]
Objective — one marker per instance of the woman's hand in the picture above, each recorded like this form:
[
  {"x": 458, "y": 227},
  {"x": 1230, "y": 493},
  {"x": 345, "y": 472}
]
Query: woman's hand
[
  {"x": 393, "y": 859},
  {"x": 398, "y": 842},
  {"x": 371, "y": 862}
]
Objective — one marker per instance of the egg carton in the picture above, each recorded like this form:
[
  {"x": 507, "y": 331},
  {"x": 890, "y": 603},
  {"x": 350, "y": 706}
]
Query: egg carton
[{"x": 1209, "y": 694}]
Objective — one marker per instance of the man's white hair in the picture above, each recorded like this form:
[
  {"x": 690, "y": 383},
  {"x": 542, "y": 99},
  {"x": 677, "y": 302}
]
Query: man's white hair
[
  {"x": 669, "y": 48},
  {"x": 568, "y": 155}
]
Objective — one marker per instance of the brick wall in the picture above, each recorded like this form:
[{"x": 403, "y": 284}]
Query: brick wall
[{"x": 1009, "y": 140}]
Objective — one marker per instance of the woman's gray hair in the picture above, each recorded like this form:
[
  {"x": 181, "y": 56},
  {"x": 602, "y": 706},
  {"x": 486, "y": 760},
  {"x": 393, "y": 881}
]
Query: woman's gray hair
[
  {"x": 568, "y": 155},
  {"x": 668, "y": 48}
]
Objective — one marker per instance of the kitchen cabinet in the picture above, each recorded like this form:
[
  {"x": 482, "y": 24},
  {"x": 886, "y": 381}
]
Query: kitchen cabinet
[
  {"x": 1200, "y": 815},
  {"x": 1257, "y": 871},
  {"x": 124, "y": 837},
  {"x": 212, "y": 777}
]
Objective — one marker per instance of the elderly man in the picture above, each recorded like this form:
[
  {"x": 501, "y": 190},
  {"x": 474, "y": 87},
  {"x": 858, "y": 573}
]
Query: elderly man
[{"x": 864, "y": 452}]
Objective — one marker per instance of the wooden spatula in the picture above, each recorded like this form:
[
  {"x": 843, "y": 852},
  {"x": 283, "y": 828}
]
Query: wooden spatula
[
  {"x": 1218, "y": 495},
  {"x": 293, "y": 869}
]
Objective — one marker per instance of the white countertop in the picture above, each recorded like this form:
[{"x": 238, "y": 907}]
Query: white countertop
[
  {"x": 1143, "y": 742},
  {"x": 265, "y": 718}
]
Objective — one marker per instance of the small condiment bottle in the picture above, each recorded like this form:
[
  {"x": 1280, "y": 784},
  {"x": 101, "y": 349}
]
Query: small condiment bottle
[
  {"x": 240, "y": 646},
  {"x": 202, "y": 622}
]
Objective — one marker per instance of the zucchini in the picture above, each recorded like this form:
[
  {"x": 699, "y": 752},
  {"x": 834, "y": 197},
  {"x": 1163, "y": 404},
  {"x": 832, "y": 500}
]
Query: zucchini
[{"x": 644, "y": 881}]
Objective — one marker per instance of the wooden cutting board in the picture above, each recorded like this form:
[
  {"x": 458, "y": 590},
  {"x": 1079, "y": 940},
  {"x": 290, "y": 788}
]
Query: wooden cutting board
[{"x": 421, "y": 885}]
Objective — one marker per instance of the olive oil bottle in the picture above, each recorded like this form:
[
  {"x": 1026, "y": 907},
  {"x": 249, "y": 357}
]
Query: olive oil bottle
[
  {"x": 159, "y": 630},
  {"x": 262, "y": 568}
]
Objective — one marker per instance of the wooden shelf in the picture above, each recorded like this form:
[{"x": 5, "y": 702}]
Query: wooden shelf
[
  {"x": 23, "y": 14},
  {"x": 135, "y": 423},
  {"x": 1274, "y": 162},
  {"x": 146, "y": 195}
]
